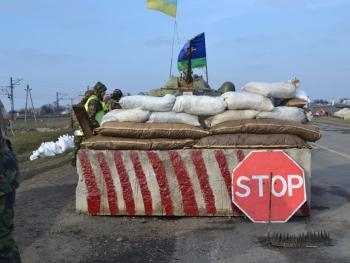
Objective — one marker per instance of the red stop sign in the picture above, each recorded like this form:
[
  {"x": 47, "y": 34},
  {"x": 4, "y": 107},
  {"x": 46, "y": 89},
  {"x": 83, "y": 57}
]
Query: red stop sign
[{"x": 268, "y": 186}]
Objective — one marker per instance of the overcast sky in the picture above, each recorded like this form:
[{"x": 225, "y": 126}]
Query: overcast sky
[{"x": 64, "y": 46}]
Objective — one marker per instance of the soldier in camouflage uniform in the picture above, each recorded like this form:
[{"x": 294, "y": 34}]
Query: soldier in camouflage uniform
[
  {"x": 9, "y": 174},
  {"x": 94, "y": 106},
  {"x": 113, "y": 101}
]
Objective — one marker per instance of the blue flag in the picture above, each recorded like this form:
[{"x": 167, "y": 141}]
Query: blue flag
[{"x": 193, "y": 52}]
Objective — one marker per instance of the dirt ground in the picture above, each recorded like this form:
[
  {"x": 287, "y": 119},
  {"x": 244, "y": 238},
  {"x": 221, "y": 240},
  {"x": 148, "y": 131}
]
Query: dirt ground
[{"x": 48, "y": 229}]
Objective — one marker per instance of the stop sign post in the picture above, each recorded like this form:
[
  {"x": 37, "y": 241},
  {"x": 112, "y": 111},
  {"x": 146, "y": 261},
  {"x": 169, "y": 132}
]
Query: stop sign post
[{"x": 268, "y": 186}]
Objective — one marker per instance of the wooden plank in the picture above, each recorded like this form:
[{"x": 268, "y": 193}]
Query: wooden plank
[{"x": 84, "y": 121}]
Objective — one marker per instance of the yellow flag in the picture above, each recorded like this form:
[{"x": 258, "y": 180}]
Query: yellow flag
[{"x": 166, "y": 6}]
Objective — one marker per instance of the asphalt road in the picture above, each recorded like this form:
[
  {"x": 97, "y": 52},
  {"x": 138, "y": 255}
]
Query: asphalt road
[{"x": 49, "y": 230}]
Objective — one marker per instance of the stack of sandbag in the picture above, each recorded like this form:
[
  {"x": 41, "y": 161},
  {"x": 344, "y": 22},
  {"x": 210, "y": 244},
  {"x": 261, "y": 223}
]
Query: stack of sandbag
[
  {"x": 259, "y": 133},
  {"x": 169, "y": 122},
  {"x": 343, "y": 113},
  {"x": 146, "y": 123},
  {"x": 263, "y": 115},
  {"x": 144, "y": 136}
]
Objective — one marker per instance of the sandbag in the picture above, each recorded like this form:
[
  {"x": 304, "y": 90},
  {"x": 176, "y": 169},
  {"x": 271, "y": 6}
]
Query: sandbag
[
  {"x": 150, "y": 130},
  {"x": 199, "y": 105},
  {"x": 100, "y": 142},
  {"x": 281, "y": 90},
  {"x": 247, "y": 101},
  {"x": 341, "y": 113},
  {"x": 301, "y": 94},
  {"x": 347, "y": 116},
  {"x": 284, "y": 113},
  {"x": 295, "y": 102},
  {"x": 121, "y": 115},
  {"x": 173, "y": 117},
  {"x": 253, "y": 141},
  {"x": 307, "y": 132},
  {"x": 230, "y": 115},
  {"x": 149, "y": 103}
]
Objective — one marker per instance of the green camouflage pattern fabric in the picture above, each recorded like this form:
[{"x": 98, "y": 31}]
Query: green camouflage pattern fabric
[
  {"x": 9, "y": 174},
  {"x": 112, "y": 104},
  {"x": 8, "y": 247}
]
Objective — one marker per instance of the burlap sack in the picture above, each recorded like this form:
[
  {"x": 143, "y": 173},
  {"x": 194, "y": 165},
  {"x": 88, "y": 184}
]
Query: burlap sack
[
  {"x": 230, "y": 115},
  {"x": 150, "y": 130},
  {"x": 252, "y": 141},
  {"x": 308, "y": 132},
  {"x": 100, "y": 142},
  {"x": 295, "y": 102}
]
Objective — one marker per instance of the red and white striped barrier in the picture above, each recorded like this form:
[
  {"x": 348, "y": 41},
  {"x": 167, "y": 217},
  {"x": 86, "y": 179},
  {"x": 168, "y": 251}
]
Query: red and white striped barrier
[{"x": 165, "y": 183}]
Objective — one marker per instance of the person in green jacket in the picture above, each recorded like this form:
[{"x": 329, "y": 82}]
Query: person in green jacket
[
  {"x": 9, "y": 182},
  {"x": 95, "y": 106}
]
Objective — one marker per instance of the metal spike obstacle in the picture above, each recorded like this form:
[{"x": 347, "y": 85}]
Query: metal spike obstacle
[{"x": 302, "y": 240}]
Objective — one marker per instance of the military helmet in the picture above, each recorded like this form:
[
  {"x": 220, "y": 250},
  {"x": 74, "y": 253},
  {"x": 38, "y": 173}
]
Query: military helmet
[
  {"x": 99, "y": 87},
  {"x": 227, "y": 86},
  {"x": 117, "y": 94}
]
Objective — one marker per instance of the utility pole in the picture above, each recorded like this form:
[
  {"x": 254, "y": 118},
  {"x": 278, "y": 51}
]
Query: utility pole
[
  {"x": 13, "y": 82},
  {"x": 57, "y": 102},
  {"x": 28, "y": 93},
  {"x": 59, "y": 96}
]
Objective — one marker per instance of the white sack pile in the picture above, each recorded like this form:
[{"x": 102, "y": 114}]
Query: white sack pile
[
  {"x": 343, "y": 113},
  {"x": 63, "y": 143},
  {"x": 255, "y": 101}
]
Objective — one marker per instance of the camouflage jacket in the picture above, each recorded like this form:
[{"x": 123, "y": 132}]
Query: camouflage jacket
[{"x": 9, "y": 172}]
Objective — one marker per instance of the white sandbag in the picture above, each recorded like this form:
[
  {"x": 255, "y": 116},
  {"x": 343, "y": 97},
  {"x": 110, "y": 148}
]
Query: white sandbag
[
  {"x": 121, "y": 115},
  {"x": 301, "y": 94},
  {"x": 247, "y": 100},
  {"x": 173, "y": 117},
  {"x": 347, "y": 116},
  {"x": 149, "y": 103},
  {"x": 284, "y": 113},
  {"x": 230, "y": 115},
  {"x": 341, "y": 113},
  {"x": 280, "y": 90},
  {"x": 63, "y": 143},
  {"x": 199, "y": 105}
]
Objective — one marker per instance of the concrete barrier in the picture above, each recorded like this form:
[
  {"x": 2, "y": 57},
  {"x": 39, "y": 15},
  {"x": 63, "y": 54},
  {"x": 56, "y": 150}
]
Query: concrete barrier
[{"x": 166, "y": 183}]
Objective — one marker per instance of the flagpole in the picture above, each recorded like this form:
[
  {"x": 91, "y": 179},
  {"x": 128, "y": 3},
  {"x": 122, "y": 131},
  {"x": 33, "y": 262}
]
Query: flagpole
[
  {"x": 206, "y": 72},
  {"x": 172, "y": 49}
]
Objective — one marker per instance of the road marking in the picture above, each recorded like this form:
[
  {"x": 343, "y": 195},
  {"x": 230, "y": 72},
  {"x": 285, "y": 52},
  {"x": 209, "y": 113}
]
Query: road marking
[{"x": 331, "y": 150}]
